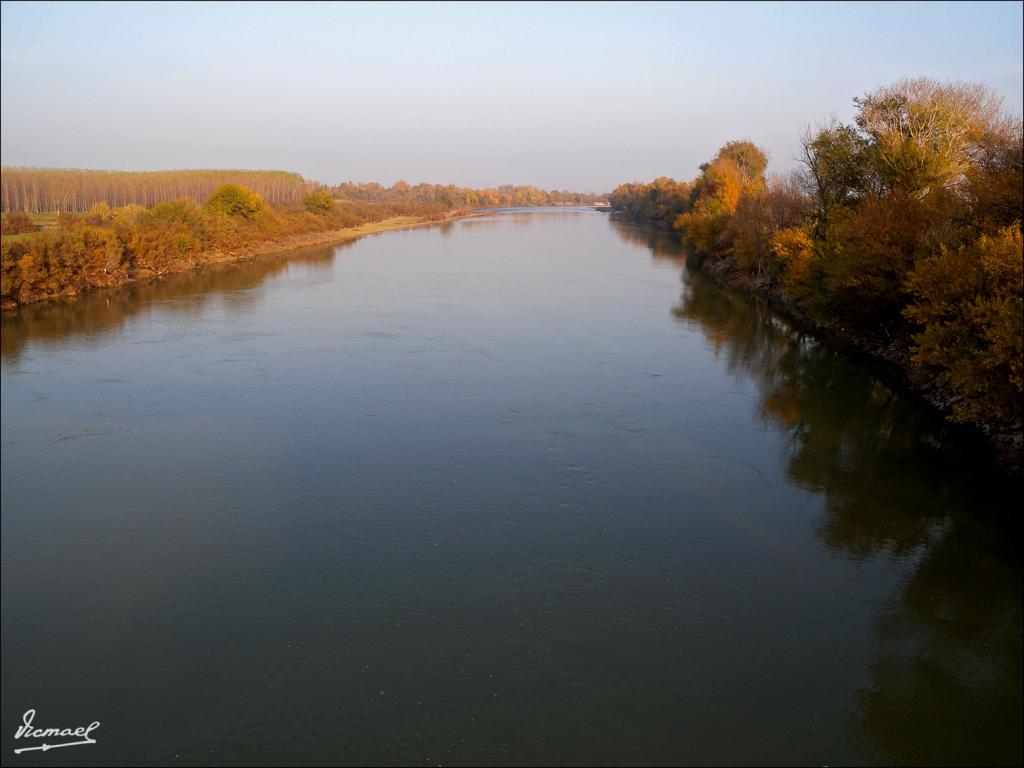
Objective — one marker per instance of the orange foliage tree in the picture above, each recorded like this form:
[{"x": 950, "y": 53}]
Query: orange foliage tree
[{"x": 903, "y": 228}]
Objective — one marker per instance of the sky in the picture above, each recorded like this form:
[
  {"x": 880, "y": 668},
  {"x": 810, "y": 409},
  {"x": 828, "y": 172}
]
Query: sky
[{"x": 579, "y": 96}]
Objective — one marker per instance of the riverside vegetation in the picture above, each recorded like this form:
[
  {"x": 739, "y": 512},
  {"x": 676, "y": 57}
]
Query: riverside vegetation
[
  {"x": 901, "y": 234},
  {"x": 172, "y": 221}
]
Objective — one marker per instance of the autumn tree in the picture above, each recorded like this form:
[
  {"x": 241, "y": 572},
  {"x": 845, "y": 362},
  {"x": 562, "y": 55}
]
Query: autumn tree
[
  {"x": 749, "y": 158},
  {"x": 74, "y": 190},
  {"x": 318, "y": 201},
  {"x": 759, "y": 214},
  {"x": 17, "y": 222},
  {"x": 924, "y": 133},
  {"x": 716, "y": 193},
  {"x": 969, "y": 307},
  {"x": 994, "y": 186},
  {"x": 866, "y": 257},
  {"x": 659, "y": 202},
  {"x": 234, "y": 200},
  {"x": 837, "y": 170}
]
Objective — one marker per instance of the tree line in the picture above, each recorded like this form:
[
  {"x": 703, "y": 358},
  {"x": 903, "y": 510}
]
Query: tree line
[
  {"x": 76, "y": 191},
  {"x": 435, "y": 200},
  {"x": 72, "y": 190},
  {"x": 900, "y": 230}
]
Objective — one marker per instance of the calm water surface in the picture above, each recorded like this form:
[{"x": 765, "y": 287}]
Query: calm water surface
[{"x": 519, "y": 488}]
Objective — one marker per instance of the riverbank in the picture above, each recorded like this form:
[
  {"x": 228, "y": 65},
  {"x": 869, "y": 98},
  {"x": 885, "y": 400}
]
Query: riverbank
[
  {"x": 251, "y": 249},
  {"x": 894, "y": 355},
  {"x": 336, "y": 236}
]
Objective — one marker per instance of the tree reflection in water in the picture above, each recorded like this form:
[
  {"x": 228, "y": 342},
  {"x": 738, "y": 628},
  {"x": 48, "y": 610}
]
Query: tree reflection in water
[
  {"x": 98, "y": 313},
  {"x": 897, "y": 482}
]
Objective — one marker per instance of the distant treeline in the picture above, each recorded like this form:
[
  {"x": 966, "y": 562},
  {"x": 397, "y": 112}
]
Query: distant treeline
[
  {"x": 435, "y": 200},
  {"x": 75, "y": 191},
  {"x": 901, "y": 231},
  {"x": 60, "y": 190}
]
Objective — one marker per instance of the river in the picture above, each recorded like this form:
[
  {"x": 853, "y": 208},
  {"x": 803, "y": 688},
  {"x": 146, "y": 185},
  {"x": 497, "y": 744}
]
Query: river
[{"x": 521, "y": 488}]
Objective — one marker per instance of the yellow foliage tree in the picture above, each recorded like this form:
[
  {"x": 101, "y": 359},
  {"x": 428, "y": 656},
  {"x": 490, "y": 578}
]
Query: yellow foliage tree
[{"x": 969, "y": 307}]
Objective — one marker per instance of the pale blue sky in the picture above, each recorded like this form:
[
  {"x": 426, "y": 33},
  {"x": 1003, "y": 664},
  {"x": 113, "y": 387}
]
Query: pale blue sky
[{"x": 578, "y": 95}]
